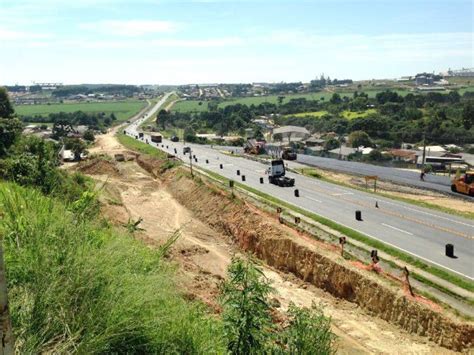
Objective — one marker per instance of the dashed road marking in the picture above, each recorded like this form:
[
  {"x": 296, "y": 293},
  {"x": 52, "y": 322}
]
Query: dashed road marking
[{"x": 397, "y": 229}]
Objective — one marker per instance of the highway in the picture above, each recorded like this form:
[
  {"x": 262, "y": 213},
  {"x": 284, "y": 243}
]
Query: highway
[
  {"x": 421, "y": 232},
  {"x": 401, "y": 176}
]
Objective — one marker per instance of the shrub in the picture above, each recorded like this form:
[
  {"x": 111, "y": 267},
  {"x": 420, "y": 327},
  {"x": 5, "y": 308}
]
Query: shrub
[{"x": 78, "y": 287}]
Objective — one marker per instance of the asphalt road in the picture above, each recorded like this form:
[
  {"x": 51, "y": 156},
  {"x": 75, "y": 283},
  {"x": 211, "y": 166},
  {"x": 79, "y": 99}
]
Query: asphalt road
[
  {"x": 420, "y": 232},
  {"x": 401, "y": 176}
]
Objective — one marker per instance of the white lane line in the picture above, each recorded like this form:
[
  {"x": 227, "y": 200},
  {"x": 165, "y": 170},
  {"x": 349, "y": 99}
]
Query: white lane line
[
  {"x": 343, "y": 193},
  {"x": 429, "y": 214},
  {"x": 397, "y": 229},
  {"x": 313, "y": 199},
  {"x": 409, "y": 252},
  {"x": 404, "y": 250}
]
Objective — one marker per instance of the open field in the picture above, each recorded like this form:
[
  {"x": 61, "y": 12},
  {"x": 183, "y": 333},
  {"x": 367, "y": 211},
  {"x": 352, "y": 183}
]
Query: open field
[
  {"x": 190, "y": 106},
  {"x": 122, "y": 109},
  {"x": 315, "y": 114},
  {"x": 350, "y": 115},
  {"x": 346, "y": 114},
  {"x": 199, "y": 106}
]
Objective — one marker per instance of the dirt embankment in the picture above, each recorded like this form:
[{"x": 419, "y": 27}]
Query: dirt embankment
[{"x": 318, "y": 266}]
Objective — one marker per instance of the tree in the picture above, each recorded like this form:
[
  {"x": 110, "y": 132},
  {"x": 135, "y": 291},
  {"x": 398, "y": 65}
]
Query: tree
[
  {"x": 246, "y": 310},
  {"x": 280, "y": 99},
  {"x": 359, "y": 138},
  {"x": 468, "y": 115},
  {"x": 335, "y": 99},
  {"x": 189, "y": 134},
  {"x": 77, "y": 146},
  {"x": 309, "y": 331},
  {"x": 258, "y": 133},
  {"x": 6, "y": 108},
  {"x": 162, "y": 118},
  {"x": 278, "y": 137},
  {"x": 10, "y": 127},
  {"x": 89, "y": 135},
  {"x": 331, "y": 143}
]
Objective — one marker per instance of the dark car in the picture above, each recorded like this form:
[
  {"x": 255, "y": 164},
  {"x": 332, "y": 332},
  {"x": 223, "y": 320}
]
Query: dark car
[{"x": 174, "y": 139}]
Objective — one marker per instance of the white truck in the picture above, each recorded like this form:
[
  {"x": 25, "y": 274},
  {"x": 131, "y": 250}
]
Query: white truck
[{"x": 276, "y": 174}]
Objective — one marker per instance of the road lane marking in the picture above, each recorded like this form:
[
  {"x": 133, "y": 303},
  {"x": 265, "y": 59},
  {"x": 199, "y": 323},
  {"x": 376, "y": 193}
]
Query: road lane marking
[
  {"x": 429, "y": 214},
  {"x": 343, "y": 193},
  {"x": 409, "y": 252},
  {"x": 398, "y": 229},
  {"x": 313, "y": 199},
  {"x": 406, "y": 251}
]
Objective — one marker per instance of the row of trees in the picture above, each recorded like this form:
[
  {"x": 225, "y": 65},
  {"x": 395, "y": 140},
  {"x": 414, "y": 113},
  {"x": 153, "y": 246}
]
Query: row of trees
[
  {"x": 122, "y": 90},
  {"x": 441, "y": 118}
]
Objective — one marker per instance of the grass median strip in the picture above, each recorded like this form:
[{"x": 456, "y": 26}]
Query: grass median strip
[
  {"x": 445, "y": 275},
  {"x": 141, "y": 147}
]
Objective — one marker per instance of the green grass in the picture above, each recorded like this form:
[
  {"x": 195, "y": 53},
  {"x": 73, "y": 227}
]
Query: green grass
[
  {"x": 195, "y": 106},
  {"x": 141, "y": 147},
  {"x": 351, "y": 115},
  {"x": 445, "y": 275},
  {"x": 122, "y": 109},
  {"x": 77, "y": 285},
  {"x": 315, "y": 114},
  {"x": 190, "y": 106}
]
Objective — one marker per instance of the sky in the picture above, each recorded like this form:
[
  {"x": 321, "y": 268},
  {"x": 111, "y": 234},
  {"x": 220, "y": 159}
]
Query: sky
[{"x": 224, "y": 41}]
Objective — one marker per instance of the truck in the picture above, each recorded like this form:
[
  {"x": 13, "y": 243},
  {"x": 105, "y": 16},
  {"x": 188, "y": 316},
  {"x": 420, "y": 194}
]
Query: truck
[
  {"x": 464, "y": 184},
  {"x": 276, "y": 174},
  {"x": 156, "y": 139},
  {"x": 252, "y": 146},
  {"x": 288, "y": 154}
]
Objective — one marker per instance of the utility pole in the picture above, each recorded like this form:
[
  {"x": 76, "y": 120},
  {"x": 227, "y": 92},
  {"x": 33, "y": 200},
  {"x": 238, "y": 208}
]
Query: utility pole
[
  {"x": 191, "y": 162},
  {"x": 424, "y": 154},
  {"x": 6, "y": 345}
]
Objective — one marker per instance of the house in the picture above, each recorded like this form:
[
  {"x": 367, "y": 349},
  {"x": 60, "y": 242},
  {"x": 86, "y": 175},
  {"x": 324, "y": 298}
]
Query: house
[
  {"x": 433, "y": 149},
  {"x": 405, "y": 155},
  {"x": 292, "y": 133},
  {"x": 342, "y": 152},
  {"x": 314, "y": 142}
]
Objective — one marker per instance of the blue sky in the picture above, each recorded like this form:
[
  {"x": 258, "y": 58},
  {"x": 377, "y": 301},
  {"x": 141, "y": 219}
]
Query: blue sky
[{"x": 204, "y": 41}]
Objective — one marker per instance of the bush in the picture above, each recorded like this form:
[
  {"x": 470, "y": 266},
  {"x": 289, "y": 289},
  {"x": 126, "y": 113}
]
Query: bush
[
  {"x": 246, "y": 310},
  {"x": 76, "y": 286},
  {"x": 33, "y": 162},
  {"x": 309, "y": 332},
  {"x": 247, "y": 318}
]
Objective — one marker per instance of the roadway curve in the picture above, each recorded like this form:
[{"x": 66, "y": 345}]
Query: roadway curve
[{"x": 418, "y": 231}]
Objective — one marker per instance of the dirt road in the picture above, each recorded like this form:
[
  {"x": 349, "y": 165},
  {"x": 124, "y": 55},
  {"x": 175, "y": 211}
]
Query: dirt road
[{"x": 204, "y": 254}]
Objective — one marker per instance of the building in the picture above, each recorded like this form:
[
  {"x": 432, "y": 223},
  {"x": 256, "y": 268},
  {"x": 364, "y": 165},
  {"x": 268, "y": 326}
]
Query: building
[
  {"x": 424, "y": 80},
  {"x": 314, "y": 142},
  {"x": 292, "y": 133},
  {"x": 404, "y": 155},
  {"x": 342, "y": 152}
]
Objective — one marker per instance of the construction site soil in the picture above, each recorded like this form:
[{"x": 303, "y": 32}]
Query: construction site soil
[{"x": 370, "y": 313}]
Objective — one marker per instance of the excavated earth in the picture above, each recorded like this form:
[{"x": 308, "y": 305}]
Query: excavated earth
[{"x": 370, "y": 314}]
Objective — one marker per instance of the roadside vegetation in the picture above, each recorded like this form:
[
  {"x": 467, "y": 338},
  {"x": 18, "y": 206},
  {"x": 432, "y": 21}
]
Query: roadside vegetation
[
  {"x": 77, "y": 284},
  {"x": 388, "y": 118}
]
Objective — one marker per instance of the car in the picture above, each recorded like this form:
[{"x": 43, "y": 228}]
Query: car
[
  {"x": 186, "y": 150},
  {"x": 174, "y": 139}
]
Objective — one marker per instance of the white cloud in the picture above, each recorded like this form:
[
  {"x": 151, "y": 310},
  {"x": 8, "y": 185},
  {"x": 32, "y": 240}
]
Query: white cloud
[
  {"x": 10, "y": 35},
  {"x": 131, "y": 28}
]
